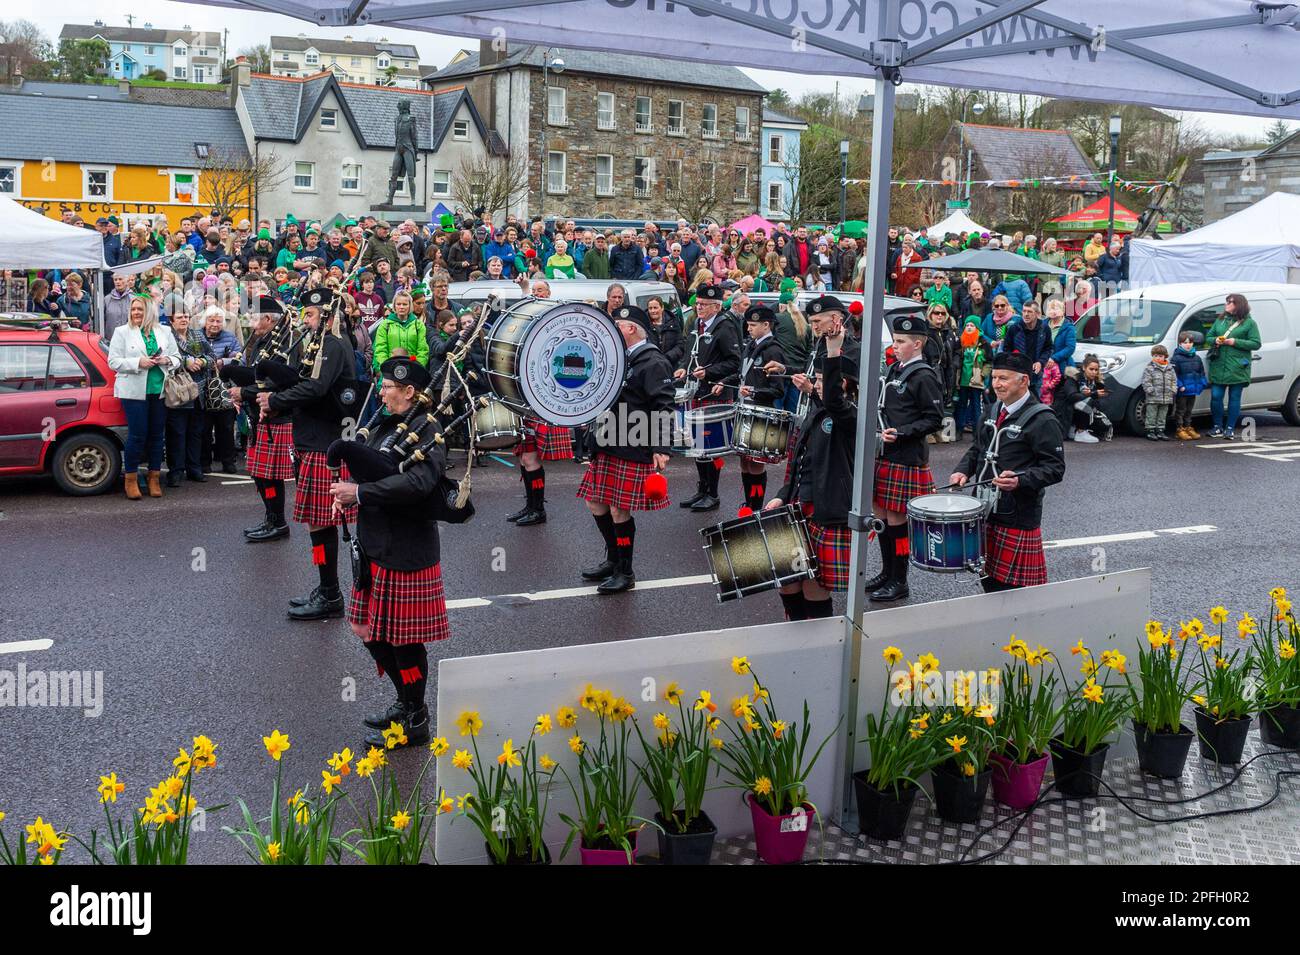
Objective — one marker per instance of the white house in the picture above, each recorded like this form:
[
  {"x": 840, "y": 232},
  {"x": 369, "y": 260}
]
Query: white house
[{"x": 351, "y": 61}]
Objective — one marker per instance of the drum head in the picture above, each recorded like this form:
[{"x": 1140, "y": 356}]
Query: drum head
[
  {"x": 949, "y": 507},
  {"x": 571, "y": 360},
  {"x": 762, "y": 552}
]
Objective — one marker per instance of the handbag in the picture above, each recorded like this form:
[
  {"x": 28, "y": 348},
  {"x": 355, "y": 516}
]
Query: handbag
[
  {"x": 357, "y": 558},
  {"x": 179, "y": 389}
]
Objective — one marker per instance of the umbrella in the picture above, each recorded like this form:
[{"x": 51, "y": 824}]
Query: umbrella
[
  {"x": 988, "y": 260},
  {"x": 854, "y": 229}
]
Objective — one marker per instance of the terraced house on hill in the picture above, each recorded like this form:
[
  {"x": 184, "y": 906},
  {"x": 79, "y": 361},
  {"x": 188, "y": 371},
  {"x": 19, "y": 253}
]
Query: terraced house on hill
[
  {"x": 375, "y": 62},
  {"x": 618, "y": 135},
  {"x": 195, "y": 56}
]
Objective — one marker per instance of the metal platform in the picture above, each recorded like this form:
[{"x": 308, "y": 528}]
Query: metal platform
[{"x": 1099, "y": 831}]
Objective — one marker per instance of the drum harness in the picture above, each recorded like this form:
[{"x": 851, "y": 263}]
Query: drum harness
[{"x": 986, "y": 492}]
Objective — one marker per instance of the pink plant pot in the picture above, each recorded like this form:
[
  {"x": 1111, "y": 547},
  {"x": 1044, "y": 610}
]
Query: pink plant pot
[
  {"x": 778, "y": 840},
  {"x": 607, "y": 856},
  {"x": 1017, "y": 784}
]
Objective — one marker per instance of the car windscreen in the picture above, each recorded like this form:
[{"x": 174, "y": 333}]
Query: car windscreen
[{"x": 1127, "y": 320}]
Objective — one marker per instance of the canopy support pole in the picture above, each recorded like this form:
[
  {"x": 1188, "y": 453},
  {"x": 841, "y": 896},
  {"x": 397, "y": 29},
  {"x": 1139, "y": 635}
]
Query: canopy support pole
[{"x": 873, "y": 319}]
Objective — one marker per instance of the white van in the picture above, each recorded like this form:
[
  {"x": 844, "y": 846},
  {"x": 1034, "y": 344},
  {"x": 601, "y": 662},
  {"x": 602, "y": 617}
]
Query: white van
[{"x": 1121, "y": 330}]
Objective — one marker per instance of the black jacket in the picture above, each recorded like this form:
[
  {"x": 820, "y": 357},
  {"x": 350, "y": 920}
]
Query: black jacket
[
  {"x": 462, "y": 261},
  {"x": 626, "y": 263},
  {"x": 644, "y": 411},
  {"x": 943, "y": 354},
  {"x": 668, "y": 337},
  {"x": 914, "y": 402},
  {"x": 1034, "y": 449},
  {"x": 767, "y": 391},
  {"x": 719, "y": 350},
  {"x": 317, "y": 416},
  {"x": 395, "y": 522},
  {"x": 823, "y": 458},
  {"x": 255, "y": 351}
]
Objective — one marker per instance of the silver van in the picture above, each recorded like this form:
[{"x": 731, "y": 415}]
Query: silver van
[{"x": 1121, "y": 330}]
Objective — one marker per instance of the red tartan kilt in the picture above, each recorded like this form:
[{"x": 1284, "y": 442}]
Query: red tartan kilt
[
  {"x": 552, "y": 442},
  {"x": 1014, "y": 556},
  {"x": 402, "y": 606},
  {"x": 896, "y": 484},
  {"x": 619, "y": 483},
  {"x": 270, "y": 457},
  {"x": 312, "y": 503},
  {"x": 832, "y": 547}
]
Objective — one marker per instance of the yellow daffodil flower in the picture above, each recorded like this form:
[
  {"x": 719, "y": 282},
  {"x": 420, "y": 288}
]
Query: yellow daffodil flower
[
  {"x": 986, "y": 712},
  {"x": 1200, "y": 700},
  {"x": 762, "y": 785},
  {"x": 590, "y": 699},
  {"x": 275, "y": 744},
  {"x": 1218, "y": 615},
  {"x": 1285, "y": 650},
  {"x": 462, "y": 759},
  {"x": 509, "y": 756},
  {"x": 778, "y": 728},
  {"x": 892, "y": 655},
  {"x": 465, "y": 800},
  {"x": 576, "y": 744},
  {"x": 740, "y": 665},
  {"x": 394, "y": 735},
  {"x": 1277, "y": 593},
  {"x": 968, "y": 769},
  {"x": 921, "y": 722},
  {"x": 946, "y": 718},
  {"x": 547, "y": 763},
  {"x": 956, "y": 742},
  {"x": 1220, "y": 663},
  {"x": 445, "y": 803},
  {"x": 294, "y": 799},
  {"x": 339, "y": 761},
  {"x": 543, "y": 724},
  {"x": 716, "y": 742},
  {"x": 1283, "y": 608},
  {"x": 1246, "y": 626},
  {"x": 272, "y": 851},
  {"x": 929, "y": 662},
  {"x": 1092, "y": 692},
  {"x": 173, "y": 786},
  {"x": 205, "y": 753},
  {"x": 750, "y": 725},
  {"x": 183, "y": 762},
  {"x": 673, "y": 694},
  {"x": 330, "y": 780},
  {"x": 303, "y": 815},
  {"x": 741, "y": 707},
  {"x": 1117, "y": 661},
  {"x": 622, "y": 709},
  {"x": 660, "y": 721},
  {"x": 566, "y": 717},
  {"x": 469, "y": 723},
  {"x": 760, "y": 693},
  {"x": 705, "y": 702},
  {"x": 109, "y": 788},
  {"x": 401, "y": 820},
  {"x": 365, "y": 766}
]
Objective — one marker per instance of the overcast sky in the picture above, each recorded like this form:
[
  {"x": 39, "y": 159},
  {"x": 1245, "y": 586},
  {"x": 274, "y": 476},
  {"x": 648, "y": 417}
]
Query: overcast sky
[{"x": 252, "y": 28}]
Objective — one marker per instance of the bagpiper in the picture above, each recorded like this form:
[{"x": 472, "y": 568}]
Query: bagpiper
[{"x": 270, "y": 450}]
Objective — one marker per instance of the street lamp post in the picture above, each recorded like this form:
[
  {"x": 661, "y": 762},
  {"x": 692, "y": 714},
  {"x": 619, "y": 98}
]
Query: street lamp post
[
  {"x": 844, "y": 181},
  {"x": 1116, "y": 124},
  {"x": 548, "y": 64},
  {"x": 978, "y": 110}
]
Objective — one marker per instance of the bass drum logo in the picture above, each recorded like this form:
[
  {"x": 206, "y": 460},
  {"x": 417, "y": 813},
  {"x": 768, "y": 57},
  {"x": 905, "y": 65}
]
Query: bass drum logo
[{"x": 574, "y": 362}]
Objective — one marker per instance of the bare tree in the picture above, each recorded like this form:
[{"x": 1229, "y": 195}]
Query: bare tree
[
  {"x": 490, "y": 182},
  {"x": 696, "y": 186},
  {"x": 259, "y": 57},
  {"x": 24, "y": 49},
  {"x": 230, "y": 178}
]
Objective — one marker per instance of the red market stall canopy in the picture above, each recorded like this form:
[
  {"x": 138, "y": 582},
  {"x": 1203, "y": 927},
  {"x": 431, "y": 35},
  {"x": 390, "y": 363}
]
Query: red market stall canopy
[{"x": 1096, "y": 218}]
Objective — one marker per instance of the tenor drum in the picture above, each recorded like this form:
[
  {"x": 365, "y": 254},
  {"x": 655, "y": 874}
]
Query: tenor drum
[
  {"x": 946, "y": 532},
  {"x": 561, "y": 362},
  {"x": 496, "y": 427},
  {"x": 763, "y": 433},
  {"x": 708, "y": 429},
  {"x": 761, "y": 552}
]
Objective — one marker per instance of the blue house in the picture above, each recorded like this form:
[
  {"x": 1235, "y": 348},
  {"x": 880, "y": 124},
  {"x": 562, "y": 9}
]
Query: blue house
[
  {"x": 184, "y": 54},
  {"x": 780, "y": 169}
]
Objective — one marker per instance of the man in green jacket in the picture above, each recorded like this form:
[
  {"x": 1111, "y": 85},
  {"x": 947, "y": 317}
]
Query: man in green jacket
[
  {"x": 401, "y": 331},
  {"x": 595, "y": 264},
  {"x": 1231, "y": 340},
  {"x": 381, "y": 246}
]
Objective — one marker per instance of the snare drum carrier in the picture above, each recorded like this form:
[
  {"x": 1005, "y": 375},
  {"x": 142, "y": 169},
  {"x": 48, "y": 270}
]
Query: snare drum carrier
[
  {"x": 899, "y": 384},
  {"x": 986, "y": 492}
]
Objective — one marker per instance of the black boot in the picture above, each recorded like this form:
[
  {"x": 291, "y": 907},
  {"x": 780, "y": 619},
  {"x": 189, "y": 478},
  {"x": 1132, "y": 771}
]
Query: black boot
[
  {"x": 175, "y": 478},
  {"x": 415, "y": 724},
  {"x": 622, "y": 578},
  {"x": 709, "y": 501},
  {"x": 701, "y": 483},
  {"x": 394, "y": 714},
  {"x": 270, "y": 532},
  {"x": 526, "y": 477},
  {"x": 536, "y": 481},
  {"x": 327, "y": 604},
  {"x": 896, "y": 587},
  {"x": 886, "y": 562},
  {"x": 303, "y": 601},
  {"x": 249, "y": 531},
  {"x": 605, "y": 568}
]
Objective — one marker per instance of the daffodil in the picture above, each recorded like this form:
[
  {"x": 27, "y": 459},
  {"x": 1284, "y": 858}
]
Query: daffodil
[
  {"x": 622, "y": 710},
  {"x": 590, "y": 699},
  {"x": 445, "y": 803},
  {"x": 509, "y": 756},
  {"x": 760, "y": 693},
  {"x": 716, "y": 742},
  {"x": 741, "y": 707},
  {"x": 339, "y": 761},
  {"x": 303, "y": 815},
  {"x": 109, "y": 788},
  {"x": 1116, "y": 661},
  {"x": 1277, "y": 593},
  {"x": 543, "y": 724},
  {"x": 547, "y": 763},
  {"x": 740, "y": 665},
  {"x": 377, "y": 756},
  {"x": 438, "y": 745},
  {"x": 660, "y": 721},
  {"x": 183, "y": 762},
  {"x": 762, "y": 785},
  {"x": 1246, "y": 626},
  {"x": 205, "y": 753},
  {"x": 892, "y": 655},
  {"x": 1092, "y": 692},
  {"x": 394, "y": 736},
  {"x": 1220, "y": 663},
  {"x": 673, "y": 693},
  {"x": 1285, "y": 649},
  {"x": 1218, "y": 615},
  {"x": 275, "y": 744},
  {"x": 705, "y": 702},
  {"x": 778, "y": 728},
  {"x": 956, "y": 742},
  {"x": 921, "y": 722},
  {"x": 929, "y": 662},
  {"x": 576, "y": 744},
  {"x": 469, "y": 723},
  {"x": 462, "y": 759},
  {"x": 401, "y": 820},
  {"x": 986, "y": 712},
  {"x": 365, "y": 766},
  {"x": 330, "y": 780},
  {"x": 1283, "y": 608},
  {"x": 567, "y": 717},
  {"x": 968, "y": 769},
  {"x": 172, "y": 786},
  {"x": 273, "y": 851},
  {"x": 465, "y": 800},
  {"x": 294, "y": 799}
]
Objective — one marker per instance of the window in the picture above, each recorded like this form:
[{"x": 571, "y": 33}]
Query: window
[
  {"x": 148, "y": 51},
  {"x": 556, "y": 114},
  {"x": 201, "y": 150},
  {"x": 199, "y": 74},
  {"x": 741, "y": 189},
  {"x": 604, "y": 175},
  {"x": 460, "y": 129},
  {"x": 643, "y": 172},
  {"x": 776, "y": 149},
  {"x": 203, "y": 51},
  {"x": 98, "y": 182},
  {"x": 383, "y": 62},
  {"x": 179, "y": 51},
  {"x": 329, "y": 119},
  {"x": 178, "y": 72},
  {"x": 351, "y": 178},
  {"x": 304, "y": 176},
  {"x": 8, "y": 180},
  {"x": 644, "y": 119},
  {"x": 64, "y": 372},
  {"x": 556, "y": 168},
  {"x": 441, "y": 182},
  {"x": 356, "y": 61},
  {"x": 709, "y": 126},
  {"x": 284, "y": 54},
  {"x": 185, "y": 188},
  {"x": 1017, "y": 205},
  {"x": 23, "y": 367},
  {"x": 605, "y": 111},
  {"x": 775, "y": 199},
  {"x": 742, "y": 124},
  {"x": 676, "y": 118}
]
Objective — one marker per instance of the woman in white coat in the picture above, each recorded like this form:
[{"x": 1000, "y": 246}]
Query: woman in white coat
[{"x": 141, "y": 352}]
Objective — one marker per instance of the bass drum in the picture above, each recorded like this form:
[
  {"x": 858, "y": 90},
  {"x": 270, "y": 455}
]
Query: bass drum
[{"x": 562, "y": 362}]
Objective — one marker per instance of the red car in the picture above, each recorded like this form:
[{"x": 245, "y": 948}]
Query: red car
[{"x": 57, "y": 411}]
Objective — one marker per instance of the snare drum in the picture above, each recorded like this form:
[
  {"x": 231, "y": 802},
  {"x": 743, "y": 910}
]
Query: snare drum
[
  {"x": 764, "y": 551},
  {"x": 763, "y": 433},
  {"x": 562, "y": 362},
  {"x": 946, "y": 532},
  {"x": 709, "y": 429},
  {"x": 496, "y": 427}
]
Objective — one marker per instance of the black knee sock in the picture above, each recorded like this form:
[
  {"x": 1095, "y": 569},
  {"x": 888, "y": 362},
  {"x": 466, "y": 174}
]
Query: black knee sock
[
  {"x": 900, "y": 546},
  {"x": 382, "y": 653},
  {"x": 794, "y": 606},
  {"x": 992, "y": 586},
  {"x": 886, "y": 551},
  {"x": 818, "y": 608},
  {"x": 625, "y": 538},
  {"x": 605, "y": 524},
  {"x": 755, "y": 488},
  {"x": 705, "y": 470},
  {"x": 325, "y": 555},
  {"x": 273, "y": 500},
  {"x": 412, "y": 665},
  {"x": 537, "y": 488},
  {"x": 715, "y": 473}
]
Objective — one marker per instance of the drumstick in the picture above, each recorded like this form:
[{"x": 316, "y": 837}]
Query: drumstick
[{"x": 970, "y": 484}]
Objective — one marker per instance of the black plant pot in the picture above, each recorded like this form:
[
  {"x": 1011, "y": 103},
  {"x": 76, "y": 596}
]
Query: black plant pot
[
  {"x": 882, "y": 814},
  {"x": 1077, "y": 774},
  {"x": 1161, "y": 753},
  {"x": 959, "y": 798},
  {"x": 1280, "y": 727},
  {"x": 519, "y": 858},
  {"x": 692, "y": 847},
  {"x": 1222, "y": 742}
]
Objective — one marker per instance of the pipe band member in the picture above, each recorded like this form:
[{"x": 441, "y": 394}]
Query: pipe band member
[
  {"x": 270, "y": 450},
  {"x": 541, "y": 442},
  {"x": 315, "y": 404},
  {"x": 821, "y": 483},
  {"x": 756, "y": 387},
  {"x": 911, "y": 407},
  {"x": 641, "y": 425},
  {"x": 404, "y": 607},
  {"x": 712, "y": 355},
  {"x": 1018, "y": 446}
]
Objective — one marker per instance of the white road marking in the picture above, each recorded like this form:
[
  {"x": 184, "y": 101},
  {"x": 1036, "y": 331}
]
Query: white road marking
[
  {"x": 1131, "y": 536},
  {"x": 1285, "y": 450},
  {"x": 25, "y": 646}
]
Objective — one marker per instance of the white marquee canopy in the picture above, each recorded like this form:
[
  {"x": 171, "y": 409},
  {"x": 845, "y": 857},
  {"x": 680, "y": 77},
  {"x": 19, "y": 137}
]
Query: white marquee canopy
[{"x": 29, "y": 240}]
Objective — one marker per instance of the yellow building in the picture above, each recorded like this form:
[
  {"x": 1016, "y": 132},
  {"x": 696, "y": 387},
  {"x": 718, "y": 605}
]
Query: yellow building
[{"x": 62, "y": 150}]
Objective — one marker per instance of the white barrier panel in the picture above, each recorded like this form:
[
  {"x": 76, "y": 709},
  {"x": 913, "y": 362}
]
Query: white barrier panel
[
  {"x": 796, "y": 661},
  {"x": 968, "y": 633}
]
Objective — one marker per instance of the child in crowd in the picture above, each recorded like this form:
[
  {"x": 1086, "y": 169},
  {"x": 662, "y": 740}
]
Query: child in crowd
[
  {"x": 1191, "y": 382},
  {"x": 370, "y": 302},
  {"x": 1051, "y": 378},
  {"x": 403, "y": 331},
  {"x": 1160, "y": 385},
  {"x": 976, "y": 357}
]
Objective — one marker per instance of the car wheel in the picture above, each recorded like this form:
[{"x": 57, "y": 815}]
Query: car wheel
[
  {"x": 1291, "y": 410},
  {"x": 1135, "y": 416},
  {"x": 86, "y": 464}
]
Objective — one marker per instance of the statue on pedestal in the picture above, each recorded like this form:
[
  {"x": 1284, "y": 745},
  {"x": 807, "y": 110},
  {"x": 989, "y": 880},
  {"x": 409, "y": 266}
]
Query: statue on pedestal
[{"x": 404, "y": 160}]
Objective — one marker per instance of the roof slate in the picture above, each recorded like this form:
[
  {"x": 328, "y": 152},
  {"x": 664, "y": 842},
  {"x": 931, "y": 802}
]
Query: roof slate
[
  {"x": 1011, "y": 153},
  {"x": 403, "y": 51}
]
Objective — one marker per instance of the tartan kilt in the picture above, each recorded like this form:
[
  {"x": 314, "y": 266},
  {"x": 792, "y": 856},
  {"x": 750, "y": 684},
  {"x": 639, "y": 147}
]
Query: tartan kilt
[
  {"x": 832, "y": 546},
  {"x": 1014, "y": 556},
  {"x": 619, "y": 483},
  {"x": 896, "y": 484},
  {"x": 312, "y": 503},
  {"x": 402, "y": 606},
  {"x": 270, "y": 457},
  {"x": 552, "y": 442}
]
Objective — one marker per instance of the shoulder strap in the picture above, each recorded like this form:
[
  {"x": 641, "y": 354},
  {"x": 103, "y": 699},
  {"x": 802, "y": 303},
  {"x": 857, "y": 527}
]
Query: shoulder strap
[{"x": 912, "y": 369}]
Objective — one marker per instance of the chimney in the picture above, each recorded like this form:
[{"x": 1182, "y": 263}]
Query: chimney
[
  {"x": 240, "y": 76},
  {"x": 124, "y": 87},
  {"x": 489, "y": 54}
]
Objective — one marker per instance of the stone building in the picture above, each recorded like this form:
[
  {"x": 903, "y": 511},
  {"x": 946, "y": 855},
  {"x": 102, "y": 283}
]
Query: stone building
[
  {"x": 1237, "y": 179},
  {"x": 623, "y": 136}
]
